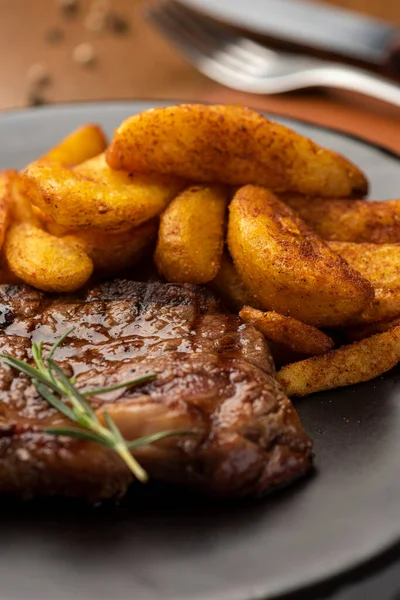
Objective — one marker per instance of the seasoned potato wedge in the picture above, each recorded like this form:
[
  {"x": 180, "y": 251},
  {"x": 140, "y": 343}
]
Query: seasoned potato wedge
[
  {"x": 15, "y": 206},
  {"x": 289, "y": 332},
  {"x": 233, "y": 145},
  {"x": 45, "y": 261},
  {"x": 354, "y": 334},
  {"x": 80, "y": 145},
  {"x": 287, "y": 267},
  {"x": 191, "y": 235},
  {"x": 97, "y": 169},
  {"x": 115, "y": 252},
  {"x": 384, "y": 306},
  {"x": 350, "y": 220},
  {"x": 21, "y": 209},
  {"x": 230, "y": 286},
  {"x": 74, "y": 201},
  {"x": 348, "y": 365},
  {"x": 6, "y": 192},
  {"x": 379, "y": 263}
]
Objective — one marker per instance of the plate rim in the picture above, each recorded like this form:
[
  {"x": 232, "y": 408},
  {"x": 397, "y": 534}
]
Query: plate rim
[{"x": 8, "y": 111}]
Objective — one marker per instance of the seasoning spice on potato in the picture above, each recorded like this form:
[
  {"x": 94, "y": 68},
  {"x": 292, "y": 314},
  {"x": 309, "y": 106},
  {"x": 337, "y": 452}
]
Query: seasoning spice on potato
[
  {"x": 230, "y": 286},
  {"x": 341, "y": 220},
  {"x": 289, "y": 332},
  {"x": 191, "y": 235},
  {"x": 233, "y": 145},
  {"x": 112, "y": 253},
  {"x": 385, "y": 305},
  {"x": 287, "y": 267},
  {"x": 348, "y": 365},
  {"x": 6, "y": 182},
  {"x": 379, "y": 263},
  {"x": 74, "y": 201},
  {"x": 359, "y": 332},
  {"x": 80, "y": 145},
  {"x": 45, "y": 261}
]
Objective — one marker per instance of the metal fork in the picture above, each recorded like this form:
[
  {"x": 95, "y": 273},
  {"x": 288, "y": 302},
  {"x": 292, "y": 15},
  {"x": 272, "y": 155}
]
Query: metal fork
[{"x": 242, "y": 64}]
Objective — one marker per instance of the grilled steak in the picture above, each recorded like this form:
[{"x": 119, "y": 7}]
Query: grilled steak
[{"x": 214, "y": 374}]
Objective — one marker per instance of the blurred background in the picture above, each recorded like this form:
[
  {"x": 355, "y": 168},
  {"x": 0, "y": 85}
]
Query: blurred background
[{"x": 73, "y": 50}]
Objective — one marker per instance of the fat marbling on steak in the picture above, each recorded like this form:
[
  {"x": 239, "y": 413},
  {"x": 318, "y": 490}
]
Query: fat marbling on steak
[{"x": 214, "y": 374}]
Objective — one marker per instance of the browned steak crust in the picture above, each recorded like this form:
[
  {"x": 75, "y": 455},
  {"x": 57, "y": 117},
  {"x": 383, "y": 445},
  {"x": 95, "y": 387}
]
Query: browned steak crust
[{"x": 214, "y": 374}]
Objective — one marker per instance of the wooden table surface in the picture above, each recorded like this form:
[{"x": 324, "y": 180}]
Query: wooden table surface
[{"x": 130, "y": 60}]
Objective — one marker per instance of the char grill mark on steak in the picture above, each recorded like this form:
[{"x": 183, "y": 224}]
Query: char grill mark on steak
[{"x": 214, "y": 374}]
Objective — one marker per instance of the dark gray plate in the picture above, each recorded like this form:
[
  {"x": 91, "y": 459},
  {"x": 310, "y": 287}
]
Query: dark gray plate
[{"x": 166, "y": 544}]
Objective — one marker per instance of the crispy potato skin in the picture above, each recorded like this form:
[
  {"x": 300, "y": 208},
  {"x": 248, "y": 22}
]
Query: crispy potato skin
[
  {"x": 191, "y": 235},
  {"x": 287, "y": 267},
  {"x": 230, "y": 286},
  {"x": 80, "y": 145},
  {"x": 384, "y": 306},
  {"x": 233, "y": 145},
  {"x": 354, "y": 334},
  {"x": 291, "y": 333},
  {"x": 116, "y": 252},
  {"x": 379, "y": 263},
  {"x": 7, "y": 179},
  {"x": 358, "y": 221},
  {"x": 45, "y": 261},
  {"x": 348, "y": 365},
  {"x": 108, "y": 201}
]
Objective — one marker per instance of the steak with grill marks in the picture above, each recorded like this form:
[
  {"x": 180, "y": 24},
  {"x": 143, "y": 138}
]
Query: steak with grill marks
[{"x": 214, "y": 374}]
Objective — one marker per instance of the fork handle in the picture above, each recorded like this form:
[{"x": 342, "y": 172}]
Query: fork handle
[{"x": 357, "y": 80}]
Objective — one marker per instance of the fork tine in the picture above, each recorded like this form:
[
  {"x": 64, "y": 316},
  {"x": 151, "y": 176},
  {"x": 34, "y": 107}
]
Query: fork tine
[
  {"x": 198, "y": 38},
  {"x": 195, "y": 49},
  {"x": 165, "y": 13},
  {"x": 245, "y": 48},
  {"x": 205, "y": 52}
]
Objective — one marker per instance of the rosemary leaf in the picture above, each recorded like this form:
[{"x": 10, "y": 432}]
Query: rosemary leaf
[
  {"x": 155, "y": 437},
  {"x": 27, "y": 369},
  {"x": 113, "y": 428},
  {"x": 117, "y": 386},
  {"x": 69, "y": 387},
  {"x": 122, "y": 448},
  {"x": 77, "y": 433},
  {"x": 56, "y": 402},
  {"x": 59, "y": 342}
]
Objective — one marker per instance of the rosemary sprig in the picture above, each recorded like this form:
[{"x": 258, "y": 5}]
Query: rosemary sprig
[{"x": 60, "y": 392}]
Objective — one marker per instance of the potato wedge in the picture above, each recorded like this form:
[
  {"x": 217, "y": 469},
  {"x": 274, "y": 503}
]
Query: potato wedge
[
  {"x": 289, "y": 332},
  {"x": 116, "y": 252},
  {"x": 233, "y": 145},
  {"x": 350, "y": 220},
  {"x": 21, "y": 209},
  {"x": 15, "y": 206},
  {"x": 74, "y": 201},
  {"x": 230, "y": 287},
  {"x": 286, "y": 267},
  {"x": 354, "y": 334},
  {"x": 191, "y": 235},
  {"x": 384, "y": 306},
  {"x": 348, "y": 365},
  {"x": 45, "y": 261},
  {"x": 379, "y": 263},
  {"x": 7, "y": 179},
  {"x": 80, "y": 145}
]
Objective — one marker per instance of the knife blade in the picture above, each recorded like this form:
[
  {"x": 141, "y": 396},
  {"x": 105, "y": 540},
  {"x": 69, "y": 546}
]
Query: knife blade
[{"x": 316, "y": 25}]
